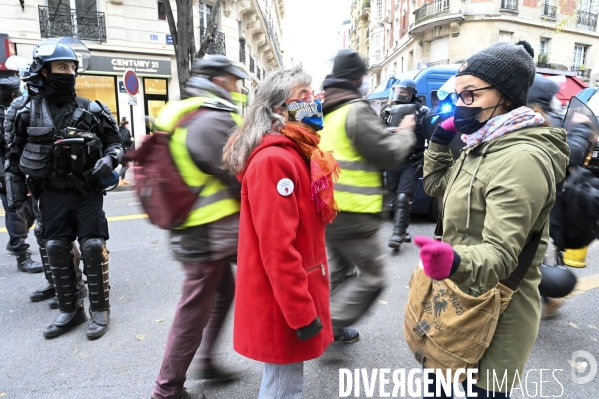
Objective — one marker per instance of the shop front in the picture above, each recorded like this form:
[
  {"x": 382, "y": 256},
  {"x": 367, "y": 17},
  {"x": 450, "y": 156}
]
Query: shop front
[{"x": 103, "y": 81}]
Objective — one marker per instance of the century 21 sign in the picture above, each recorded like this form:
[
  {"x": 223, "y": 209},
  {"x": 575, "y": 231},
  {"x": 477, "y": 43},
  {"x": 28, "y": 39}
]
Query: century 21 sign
[{"x": 118, "y": 65}]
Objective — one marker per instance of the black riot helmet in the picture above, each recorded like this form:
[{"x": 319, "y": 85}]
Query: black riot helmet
[
  {"x": 55, "y": 49},
  {"x": 403, "y": 92}
]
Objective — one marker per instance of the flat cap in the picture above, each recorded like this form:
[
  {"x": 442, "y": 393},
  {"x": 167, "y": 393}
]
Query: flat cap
[{"x": 10, "y": 82}]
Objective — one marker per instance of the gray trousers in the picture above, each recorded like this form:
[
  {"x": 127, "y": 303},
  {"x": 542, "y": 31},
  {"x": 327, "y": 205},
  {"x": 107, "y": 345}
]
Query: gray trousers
[
  {"x": 352, "y": 295},
  {"x": 282, "y": 381}
]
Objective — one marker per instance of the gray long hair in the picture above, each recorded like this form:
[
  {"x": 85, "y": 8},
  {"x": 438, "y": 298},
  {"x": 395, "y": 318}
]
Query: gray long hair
[{"x": 260, "y": 118}]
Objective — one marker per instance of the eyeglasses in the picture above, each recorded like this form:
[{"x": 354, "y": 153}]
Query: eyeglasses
[
  {"x": 308, "y": 97},
  {"x": 467, "y": 96}
]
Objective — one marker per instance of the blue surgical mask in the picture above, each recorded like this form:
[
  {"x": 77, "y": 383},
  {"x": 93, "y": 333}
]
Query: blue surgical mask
[{"x": 306, "y": 112}]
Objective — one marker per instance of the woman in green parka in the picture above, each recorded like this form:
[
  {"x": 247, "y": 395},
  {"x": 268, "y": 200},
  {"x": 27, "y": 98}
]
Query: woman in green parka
[{"x": 496, "y": 196}]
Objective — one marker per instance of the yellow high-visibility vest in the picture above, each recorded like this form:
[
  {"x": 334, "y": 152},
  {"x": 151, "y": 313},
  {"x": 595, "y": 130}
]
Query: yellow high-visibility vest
[
  {"x": 360, "y": 186},
  {"x": 215, "y": 201}
]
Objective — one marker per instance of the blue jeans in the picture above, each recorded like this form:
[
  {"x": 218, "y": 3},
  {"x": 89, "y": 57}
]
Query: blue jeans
[{"x": 481, "y": 392}]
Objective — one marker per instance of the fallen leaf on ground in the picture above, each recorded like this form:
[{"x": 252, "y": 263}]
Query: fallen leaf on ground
[
  {"x": 594, "y": 339},
  {"x": 592, "y": 326},
  {"x": 159, "y": 320},
  {"x": 573, "y": 325},
  {"x": 383, "y": 302},
  {"x": 141, "y": 336}
]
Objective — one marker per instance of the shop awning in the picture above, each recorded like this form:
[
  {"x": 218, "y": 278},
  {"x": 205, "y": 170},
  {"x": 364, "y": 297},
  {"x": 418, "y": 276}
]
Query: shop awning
[{"x": 568, "y": 89}]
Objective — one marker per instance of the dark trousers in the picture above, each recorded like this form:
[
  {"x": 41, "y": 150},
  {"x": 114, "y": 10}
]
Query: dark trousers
[
  {"x": 404, "y": 178},
  {"x": 17, "y": 228},
  {"x": 208, "y": 291}
]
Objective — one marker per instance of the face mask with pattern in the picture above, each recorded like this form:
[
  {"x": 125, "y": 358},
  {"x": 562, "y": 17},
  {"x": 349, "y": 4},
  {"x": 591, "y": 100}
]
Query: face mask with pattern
[{"x": 306, "y": 112}]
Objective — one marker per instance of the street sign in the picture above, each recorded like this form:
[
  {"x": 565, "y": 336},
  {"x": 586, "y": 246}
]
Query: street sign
[
  {"x": 122, "y": 87},
  {"x": 169, "y": 39},
  {"x": 132, "y": 100},
  {"x": 131, "y": 82},
  {"x": 154, "y": 38}
]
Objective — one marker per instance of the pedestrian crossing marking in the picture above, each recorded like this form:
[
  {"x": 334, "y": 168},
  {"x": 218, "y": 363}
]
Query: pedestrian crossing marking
[{"x": 110, "y": 219}]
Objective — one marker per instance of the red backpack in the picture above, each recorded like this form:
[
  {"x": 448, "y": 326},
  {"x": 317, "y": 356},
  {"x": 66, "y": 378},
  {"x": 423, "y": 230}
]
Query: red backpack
[{"x": 163, "y": 193}]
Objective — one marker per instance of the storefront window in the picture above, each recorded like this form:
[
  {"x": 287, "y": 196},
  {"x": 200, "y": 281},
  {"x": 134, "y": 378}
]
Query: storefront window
[
  {"x": 155, "y": 86},
  {"x": 101, "y": 88}
]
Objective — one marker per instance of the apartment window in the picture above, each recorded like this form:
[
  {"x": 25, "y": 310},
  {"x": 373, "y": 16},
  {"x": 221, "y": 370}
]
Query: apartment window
[
  {"x": 161, "y": 10},
  {"x": 505, "y": 36},
  {"x": 379, "y": 10},
  {"x": 543, "y": 46},
  {"x": 205, "y": 11},
  {"x": 377, "y": 48},
  {"x": 580, "y": 55}
]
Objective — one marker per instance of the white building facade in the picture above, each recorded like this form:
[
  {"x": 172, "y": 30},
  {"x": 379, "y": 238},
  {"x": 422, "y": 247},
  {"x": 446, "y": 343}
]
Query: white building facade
[{"x": 134, "y": 34}]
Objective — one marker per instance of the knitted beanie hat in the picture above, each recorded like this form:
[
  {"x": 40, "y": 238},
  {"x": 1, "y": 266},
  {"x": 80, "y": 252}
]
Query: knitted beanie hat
[
  {"x": 509, "y": 67},
  {"x": 348, "y": 65}
]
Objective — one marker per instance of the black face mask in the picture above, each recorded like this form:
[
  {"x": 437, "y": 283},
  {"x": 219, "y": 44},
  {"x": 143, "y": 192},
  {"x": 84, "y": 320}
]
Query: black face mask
[
  {"x": 60, "y": 88},
  {"x": 466, "y": 120}
]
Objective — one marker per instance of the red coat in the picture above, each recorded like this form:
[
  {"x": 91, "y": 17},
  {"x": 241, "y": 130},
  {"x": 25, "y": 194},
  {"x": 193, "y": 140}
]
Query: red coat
[{"x": 282, "y": 270}]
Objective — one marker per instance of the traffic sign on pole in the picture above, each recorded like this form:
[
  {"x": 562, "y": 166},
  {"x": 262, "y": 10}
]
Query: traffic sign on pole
[{"x": 131, "y": 82}]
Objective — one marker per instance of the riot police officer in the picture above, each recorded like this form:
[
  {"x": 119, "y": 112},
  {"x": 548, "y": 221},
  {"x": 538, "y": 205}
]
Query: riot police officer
[
  {"x": 403, "y": 180},
  {"x": 17, "y": 228},
  {"x": 68, "y": 147}
]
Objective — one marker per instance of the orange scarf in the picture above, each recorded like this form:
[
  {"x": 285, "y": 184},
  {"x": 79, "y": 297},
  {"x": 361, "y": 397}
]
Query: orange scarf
[{"x": 323, "y": 169}]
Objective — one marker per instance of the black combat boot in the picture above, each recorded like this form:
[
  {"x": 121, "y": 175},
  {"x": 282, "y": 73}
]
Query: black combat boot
[
  {"x": 81, "y": 290},
  {"x": 46, "y": 291},
  {"x": 401, "y": 219},
  {"x": 95, "y": 263},
  {"x": 71, "y": 308},
  {"x": 27, "y": 265}
]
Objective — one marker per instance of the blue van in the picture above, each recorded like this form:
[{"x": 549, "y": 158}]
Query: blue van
[{"x": 428, "y": 82}]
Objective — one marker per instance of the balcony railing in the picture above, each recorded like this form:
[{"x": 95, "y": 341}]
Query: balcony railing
[
  {"x": 435, "y": 63},
  {"x": 251, "y": 64},
  {"x": 511, "y": 5},
  {"x": 63, "y": 21},
  {"x": 217, "y": 44},
  {"x": 549, "y": 11},
  {"x": 432, "y": 8},
  {"x": 581, "y": 71},
  {"x": 242, "y": 51},
  {"x": 586, "y": 20}
]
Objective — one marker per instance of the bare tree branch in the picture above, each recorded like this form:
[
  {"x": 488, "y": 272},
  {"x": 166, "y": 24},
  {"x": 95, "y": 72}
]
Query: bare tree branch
[
  {"x": 183, "y": 36},
  {"x": 211, "y": 26},
  {"x": 171, "y": 23}
]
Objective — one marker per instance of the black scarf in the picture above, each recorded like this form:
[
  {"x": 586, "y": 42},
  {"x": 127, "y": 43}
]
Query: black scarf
[{"x": 56, "y": 94}]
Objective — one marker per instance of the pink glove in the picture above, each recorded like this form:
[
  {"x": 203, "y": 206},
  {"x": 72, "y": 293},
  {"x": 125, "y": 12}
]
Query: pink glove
[
  {"x": 448, "y": 125},
  {"x": 437, "y": 257}
]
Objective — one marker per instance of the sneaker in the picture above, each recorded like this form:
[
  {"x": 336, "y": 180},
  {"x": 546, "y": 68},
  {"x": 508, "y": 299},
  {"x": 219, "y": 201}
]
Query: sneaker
[
  {"x": 349, "y": 336},
  {"x": 213, "y": 373},
  {"x": 125, "y": 182},
  {"x": 551, "y": 307}
]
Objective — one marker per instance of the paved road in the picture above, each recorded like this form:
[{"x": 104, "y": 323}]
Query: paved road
[{"x": 145, "y": 285}]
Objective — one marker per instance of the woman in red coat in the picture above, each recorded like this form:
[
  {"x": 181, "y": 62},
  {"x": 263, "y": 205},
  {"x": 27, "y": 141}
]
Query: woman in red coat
[{"x": 282, "y": 313}]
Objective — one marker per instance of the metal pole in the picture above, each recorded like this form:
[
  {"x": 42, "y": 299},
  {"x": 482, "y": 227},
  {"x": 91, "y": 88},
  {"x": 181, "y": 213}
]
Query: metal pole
[{"x": 132, "y": 125}]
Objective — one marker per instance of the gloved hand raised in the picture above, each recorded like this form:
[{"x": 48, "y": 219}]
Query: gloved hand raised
[
  {"x": 103, "y": 167},
  {"x": 25, "y": 211},
  {"x": 439, "y": 260},
  {"x": 444, "y": 132},
  {"x": 310, "y": 330}
]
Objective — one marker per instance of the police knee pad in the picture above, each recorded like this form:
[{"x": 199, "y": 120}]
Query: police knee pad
[
  {"x": 58, "y": 248},
  {"x": 92, "y": 246},
  {"x": 403, "y": 199}
]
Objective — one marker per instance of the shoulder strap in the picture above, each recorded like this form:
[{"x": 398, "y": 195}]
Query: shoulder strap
[{"x": 524, "y": 261}]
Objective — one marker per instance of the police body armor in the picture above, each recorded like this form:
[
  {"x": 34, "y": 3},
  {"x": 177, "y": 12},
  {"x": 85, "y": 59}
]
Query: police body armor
[
  {"x": 394, "y": 115},
  {"x": 59, "y": 158}
]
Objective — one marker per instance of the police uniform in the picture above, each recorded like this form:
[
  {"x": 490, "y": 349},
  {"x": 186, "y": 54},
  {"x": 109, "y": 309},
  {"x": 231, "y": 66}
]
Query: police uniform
[
  {"x": 67, "y": 147},
  {"x": 403, "y": 180},
  {"x": 17, "y": 228}
]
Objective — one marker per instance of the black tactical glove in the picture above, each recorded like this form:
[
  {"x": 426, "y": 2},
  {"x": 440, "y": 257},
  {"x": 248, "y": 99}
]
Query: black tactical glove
[
  {"x": 103, "y": 167},
  {"x": 310, "y": 330},
  {"x": 25, "y": 211}
]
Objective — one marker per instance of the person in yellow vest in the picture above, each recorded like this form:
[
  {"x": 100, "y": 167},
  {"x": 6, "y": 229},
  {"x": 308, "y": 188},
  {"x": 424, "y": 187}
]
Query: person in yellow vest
[
  {"x": 206, "y": 243},
  {"x": 363, "y": 149}
]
